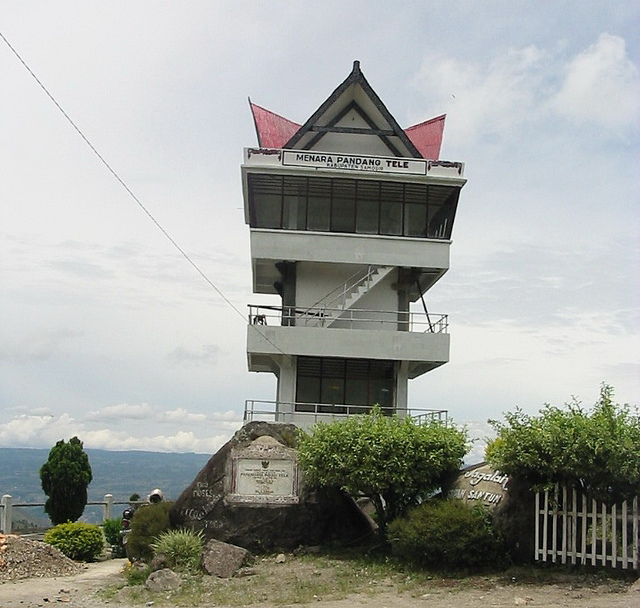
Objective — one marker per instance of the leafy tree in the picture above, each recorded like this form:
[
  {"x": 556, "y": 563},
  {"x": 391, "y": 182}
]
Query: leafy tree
[
  {"x": 65, "y": 478},
  {"x": 394, "y": 461},
  {"x": 597, "y": 451}
]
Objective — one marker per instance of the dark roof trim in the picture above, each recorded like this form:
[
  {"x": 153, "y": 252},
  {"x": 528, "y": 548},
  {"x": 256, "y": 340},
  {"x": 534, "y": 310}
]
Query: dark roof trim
[{"x": 356, "y": 77}]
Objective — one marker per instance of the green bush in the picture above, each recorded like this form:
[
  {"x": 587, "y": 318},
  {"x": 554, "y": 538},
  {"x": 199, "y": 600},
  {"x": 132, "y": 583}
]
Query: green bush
[
  {"x": 396, "y": 462},
  {"x": 111, "y": 529},
  {"x": 147, "y": 524},
  {"x": 79, "y": 541},
  {"x": 596, "y": 451},
  {"x": 137, "y": 573},
  {"x": 181, "y": 549},
  {"x": 446, "y": 534}
]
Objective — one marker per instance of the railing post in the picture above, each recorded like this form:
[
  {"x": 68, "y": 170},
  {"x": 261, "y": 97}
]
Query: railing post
[
  {"x": 108, "y": 507},
  {"x": 6, "y": 519}
]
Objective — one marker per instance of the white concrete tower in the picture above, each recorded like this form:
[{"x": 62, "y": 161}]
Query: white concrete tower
[{"x": 350, "y": 222}]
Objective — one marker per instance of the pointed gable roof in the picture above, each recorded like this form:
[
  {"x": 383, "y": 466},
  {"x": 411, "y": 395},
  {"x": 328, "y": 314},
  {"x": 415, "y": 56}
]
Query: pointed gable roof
[
  {"x": 352, "y": 119},
  {"x": 354, "y": 102},
  {"x": 427, "y": 136},
  {"x": 273, "y": 130}
]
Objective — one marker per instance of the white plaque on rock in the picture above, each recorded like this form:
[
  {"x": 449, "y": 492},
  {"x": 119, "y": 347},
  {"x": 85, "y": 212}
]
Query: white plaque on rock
[
  {"x": 264, "y": 472},
  {"x": 264, "y": 477}
]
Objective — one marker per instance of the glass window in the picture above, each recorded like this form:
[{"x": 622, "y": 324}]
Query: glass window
[
  {"x": 416, "y": 220},
  {"x": 346, "y": 205},
  {"x": 367, "y": 217},
  {"x": 391, "y": 218},
  {"x": 337, "y": 382},
  {"x": 319, "y": 204},
  {"x": 343, "y": 215},
  {"x": 268, "y": 209},
  {"x": 318, "y": 214}
]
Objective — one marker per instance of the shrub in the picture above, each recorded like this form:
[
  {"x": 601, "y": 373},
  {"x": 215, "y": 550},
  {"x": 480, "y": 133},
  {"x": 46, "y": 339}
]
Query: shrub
[
  {"x": 446, "y": 534},
  {"x": 111, "y": 529},
  {"x": 181, "y": 549},
  {"x": 394, "y": 461},
  {"x": 79, "y": 541},
  {"x": 597, "y": 451},
  {"x": 147, "y": 523},
  {"x": 137, "y": 573}
]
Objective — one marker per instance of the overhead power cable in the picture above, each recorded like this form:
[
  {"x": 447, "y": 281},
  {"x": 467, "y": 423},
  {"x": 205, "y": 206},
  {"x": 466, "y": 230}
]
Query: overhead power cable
[
  {"x": 130, "y": 192},
  {"x": 119, "y": 179}
]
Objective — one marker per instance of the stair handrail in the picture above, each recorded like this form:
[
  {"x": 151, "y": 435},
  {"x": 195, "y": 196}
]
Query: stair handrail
[{"x": 357, "y": 278}]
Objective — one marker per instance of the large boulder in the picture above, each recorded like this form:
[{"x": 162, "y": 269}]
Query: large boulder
[
  {"x": 252, "y": 494},
  {"x": 511, "y": 502}
]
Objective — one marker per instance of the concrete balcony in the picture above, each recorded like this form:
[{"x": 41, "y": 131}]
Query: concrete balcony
[
  {"x": 274, "y": 333},
  {"x": 271, "y": 246}
]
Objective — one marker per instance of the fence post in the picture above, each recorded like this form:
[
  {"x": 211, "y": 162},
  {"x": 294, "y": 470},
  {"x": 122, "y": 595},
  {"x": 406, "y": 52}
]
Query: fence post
[
  {"x": 108, "y": 507},
  {"x": 6, "y": 519}
]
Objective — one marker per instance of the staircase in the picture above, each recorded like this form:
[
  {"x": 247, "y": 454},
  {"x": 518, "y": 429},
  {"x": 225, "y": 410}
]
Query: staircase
[{"x": 329, "y": 309}]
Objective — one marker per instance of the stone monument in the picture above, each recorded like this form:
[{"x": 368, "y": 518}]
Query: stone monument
[
  {"x": 509, "y": 500},
  {"x": 478, "y": 483},
  {"x": 252, "y": 494}
]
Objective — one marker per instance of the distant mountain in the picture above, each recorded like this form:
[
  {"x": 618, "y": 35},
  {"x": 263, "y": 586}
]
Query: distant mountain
[{"x": 119, "y": 473}]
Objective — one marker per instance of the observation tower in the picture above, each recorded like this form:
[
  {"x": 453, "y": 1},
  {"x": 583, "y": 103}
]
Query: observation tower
[{"x": 350, "y": 220}]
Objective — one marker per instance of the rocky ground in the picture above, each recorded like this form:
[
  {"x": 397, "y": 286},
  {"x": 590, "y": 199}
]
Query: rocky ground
[
  {"x": 23, "y": 558},
  {"x": 33, "y": 575}
]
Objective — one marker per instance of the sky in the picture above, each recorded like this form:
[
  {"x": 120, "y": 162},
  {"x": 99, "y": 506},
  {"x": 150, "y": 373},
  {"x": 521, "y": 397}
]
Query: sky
[{"x": 107, "y": 332}]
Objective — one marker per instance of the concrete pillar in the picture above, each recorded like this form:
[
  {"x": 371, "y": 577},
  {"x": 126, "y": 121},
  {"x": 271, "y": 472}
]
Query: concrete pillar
[
  {"x": 402, "y": 383},
  {"x": 286, "y": 388},
  {"x": 6, "y": 517},
  {"x": 108, "y": 507}
]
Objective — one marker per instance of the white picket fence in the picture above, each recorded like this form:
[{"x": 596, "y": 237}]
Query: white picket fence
[{"x": 573, "y": 529}]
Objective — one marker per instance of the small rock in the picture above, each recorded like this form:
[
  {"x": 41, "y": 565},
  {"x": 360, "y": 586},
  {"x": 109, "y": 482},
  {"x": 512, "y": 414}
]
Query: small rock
[
  {"x": 163, "y": 580},
  {"x": 280, "y": 558},
  {"x": 223, "y": 559}
]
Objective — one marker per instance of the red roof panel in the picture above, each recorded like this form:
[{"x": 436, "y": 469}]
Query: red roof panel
[
  {"x": 427, "y": 136},
  {"x": 273, "y": 130}
]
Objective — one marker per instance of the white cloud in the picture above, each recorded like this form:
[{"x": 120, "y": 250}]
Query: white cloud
[
  {"x": 181, "y": 441},
  {"x": 181, "y": 415},
  {"x": 495, "y": 99},
  {"x": 184, "y": 356},
  {"x": 601, "y": 85},
  {"x": 38, "y": 431},
  {"x": 37, "y": 346},
  {"x": 121, "y": 411},
  {"x": 485, "y": 99},
  {"x": 45, "y": 430}
]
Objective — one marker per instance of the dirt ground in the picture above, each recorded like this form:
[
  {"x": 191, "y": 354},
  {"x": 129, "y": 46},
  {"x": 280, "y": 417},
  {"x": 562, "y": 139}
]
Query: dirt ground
[{"x": 83, "y": 591}]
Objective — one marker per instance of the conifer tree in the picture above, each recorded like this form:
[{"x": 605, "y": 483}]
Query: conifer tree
[{"x": 65, "y": 478}]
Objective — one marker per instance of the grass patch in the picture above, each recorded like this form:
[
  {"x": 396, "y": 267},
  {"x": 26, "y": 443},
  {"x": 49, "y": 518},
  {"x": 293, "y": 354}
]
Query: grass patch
[{"x": 330, "y": 576}]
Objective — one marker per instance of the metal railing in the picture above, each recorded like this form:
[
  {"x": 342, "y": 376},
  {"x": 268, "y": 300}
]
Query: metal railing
[
  {"x": 337, "y": 298},
  {"x": 7, "y": 505},
  {"x": 310, "y": 413},
  {"x": 349, "y": 318}
]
